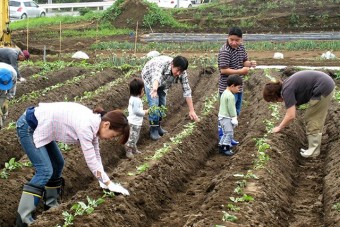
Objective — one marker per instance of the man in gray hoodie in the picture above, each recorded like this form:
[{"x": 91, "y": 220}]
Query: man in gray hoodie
[{"x": 11, "y": 56}]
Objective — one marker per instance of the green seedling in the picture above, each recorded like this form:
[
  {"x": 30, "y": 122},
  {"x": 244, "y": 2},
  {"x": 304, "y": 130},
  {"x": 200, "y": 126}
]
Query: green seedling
[
  {"x": 336, "y": 207},
  {"x": 232, "y": 207},
  {"x": 142, "y": 168},
  {"x": 160, "y": 111},
  {"x": 228, "y": 217},
  {"x": 11, "y": 125},
  {"x": 108, "y": 194},
  {"x": 64, "y": 147},
  {"x": 12, "y": 165}
]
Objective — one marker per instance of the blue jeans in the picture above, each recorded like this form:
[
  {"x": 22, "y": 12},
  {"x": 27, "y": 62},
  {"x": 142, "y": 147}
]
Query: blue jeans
[
  {"x": 47, "y": 160},
  {"x": 158, "y": 101},
  {"x": 238, "y": 102}
]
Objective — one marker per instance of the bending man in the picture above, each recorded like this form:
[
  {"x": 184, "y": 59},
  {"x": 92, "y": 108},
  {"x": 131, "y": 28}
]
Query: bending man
[
  {"x": 158, "y": 75},
  {"x": 313, "y": 87}
]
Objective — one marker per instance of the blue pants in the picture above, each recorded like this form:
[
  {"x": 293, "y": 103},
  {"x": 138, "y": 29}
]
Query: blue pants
[
  {"x": 158, "y": 101},
  {"x": 238, "y": 102},
  {"x": 47, "y": 160}
]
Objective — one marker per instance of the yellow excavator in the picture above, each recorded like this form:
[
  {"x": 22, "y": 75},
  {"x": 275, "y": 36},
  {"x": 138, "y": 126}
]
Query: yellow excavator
[{"x": 5, "y": 32}]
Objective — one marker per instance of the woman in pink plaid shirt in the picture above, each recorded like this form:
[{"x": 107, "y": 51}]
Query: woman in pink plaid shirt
[{"x": 38, "y": 130}]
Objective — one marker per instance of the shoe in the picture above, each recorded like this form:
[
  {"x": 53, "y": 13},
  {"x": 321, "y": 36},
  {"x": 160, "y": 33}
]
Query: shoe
[
  {"x": 129, "y": 154},
  {"x": 234, "y": 142},
  {"x": 21, "y": 79},
  {"x": 226, "y": 150},
  {"x": 135, "y": 151}
]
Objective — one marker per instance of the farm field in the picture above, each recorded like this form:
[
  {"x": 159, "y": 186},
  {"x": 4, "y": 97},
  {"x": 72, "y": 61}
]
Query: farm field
[{"x": 181, "y": 179}]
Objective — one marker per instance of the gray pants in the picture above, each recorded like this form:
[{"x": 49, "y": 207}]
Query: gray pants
[
  {"x": 228, "y": 131},
  {"x": 3, "y": 110},
  {"x": 134, "y": 136}
]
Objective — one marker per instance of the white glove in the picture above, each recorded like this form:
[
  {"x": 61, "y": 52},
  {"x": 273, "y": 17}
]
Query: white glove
[
  {"x": 116, "y": 188},
  {"x": 102, "y": 185},
  {"x": 234, "y": 121}
]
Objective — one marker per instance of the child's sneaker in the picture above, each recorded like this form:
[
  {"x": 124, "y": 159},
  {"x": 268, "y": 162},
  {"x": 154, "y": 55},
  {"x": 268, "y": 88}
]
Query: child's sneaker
[
  {"x": 129, "y": 152},
  {"x": 136, "y": 151},
  {"x": 226, "y": 150}
]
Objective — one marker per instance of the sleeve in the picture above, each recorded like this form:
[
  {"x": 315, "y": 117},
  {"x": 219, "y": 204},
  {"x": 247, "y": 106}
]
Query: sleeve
[
  {"x": 13, "y": 59},
  {"x": 231, "y": 108},
  {"x": 185, "y": 85},
  {"x": 223, "y": 59},
  {"x": 245, "y": 55},
  {"x": 90, "y": 148},
  {"x": 11, "y": 93},
  {"x": 137, "y": 108},
  {"x": 289, "y": 98}
]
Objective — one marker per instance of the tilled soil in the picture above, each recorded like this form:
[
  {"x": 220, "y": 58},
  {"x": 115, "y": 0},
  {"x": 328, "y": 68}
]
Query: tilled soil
[{"x": 191, "y": 185}]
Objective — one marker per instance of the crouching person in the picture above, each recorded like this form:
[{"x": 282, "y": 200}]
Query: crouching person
[
  {"x": 38, "y": 130},
  {"x": 8, "y": 78}
]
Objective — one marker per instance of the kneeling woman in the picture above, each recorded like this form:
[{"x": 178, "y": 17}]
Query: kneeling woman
[{"x": 38, "y": 130}]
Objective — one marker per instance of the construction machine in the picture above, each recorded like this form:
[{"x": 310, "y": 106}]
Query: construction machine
[{"x": 5, "y": 32}]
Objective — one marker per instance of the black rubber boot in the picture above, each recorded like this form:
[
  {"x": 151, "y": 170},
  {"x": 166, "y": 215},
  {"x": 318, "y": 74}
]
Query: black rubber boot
[
  {"x": 53, "y": 191},
  {"x": 154, "y": 134},
  {"x": 161, "y": 131},
  {"x": 30, "y": 198}
]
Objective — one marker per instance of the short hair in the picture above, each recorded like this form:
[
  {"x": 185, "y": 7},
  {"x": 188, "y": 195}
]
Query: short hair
[
  {"x": 118, "y": 122},
  {"x": 136, "y": 86},
  {"x": 235, "y": 31},
  {"x": 235, "y": 80},
  {"x": 272, "y": 91},
  {"x": 180, "y": 62}
]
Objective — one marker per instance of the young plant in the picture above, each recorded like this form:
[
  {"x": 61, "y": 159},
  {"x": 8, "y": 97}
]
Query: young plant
[
  {"x": 64, "y": 147},
  {"x": 10, "y": 166},
  {"x": 228, "y": 217},
  {"x": 233, "y": 207},
  {"x": 336, "y": 207},
  {"x": 160, "y": 111}
]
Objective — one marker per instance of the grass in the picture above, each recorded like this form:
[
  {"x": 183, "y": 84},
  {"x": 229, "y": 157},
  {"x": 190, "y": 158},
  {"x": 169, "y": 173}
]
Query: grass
[
  {"x": 47, "y": 21},
  {"x": 208, "y": 46}
]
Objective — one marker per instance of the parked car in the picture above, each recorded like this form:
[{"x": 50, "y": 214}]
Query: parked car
[
  {"x": 173, "y": 3},
  {"x": 21, "y": 9}
]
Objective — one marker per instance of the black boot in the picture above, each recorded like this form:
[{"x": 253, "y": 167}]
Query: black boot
[
  {"x": 30, "y": 198},
  {"x": 54, "y": 190},
  {"x": 161, "y": 131},
  {"x": 154, "y": 134}
]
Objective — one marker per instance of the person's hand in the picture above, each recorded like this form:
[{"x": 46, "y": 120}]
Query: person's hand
[
  {"x": 102, "y": 185},
  {"x": 276, "y": 129},
  {"x": 113, "y": 187},
  {"x": 153, "y": 93},
  {"x": 253, "y": 64},
  {"x": 193, "y": 116},
  {"x": 244, "y": 70},
  {"x": 234, "y": 121}
]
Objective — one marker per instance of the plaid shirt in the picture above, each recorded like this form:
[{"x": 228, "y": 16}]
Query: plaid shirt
[
  {"x": 159, "y": 68},
  {"x": 70, "y": 123}
]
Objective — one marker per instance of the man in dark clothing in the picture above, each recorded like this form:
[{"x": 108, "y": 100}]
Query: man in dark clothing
[
  {"x": 11, "y": 56},
  {"x": 313, "y": 87}
]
